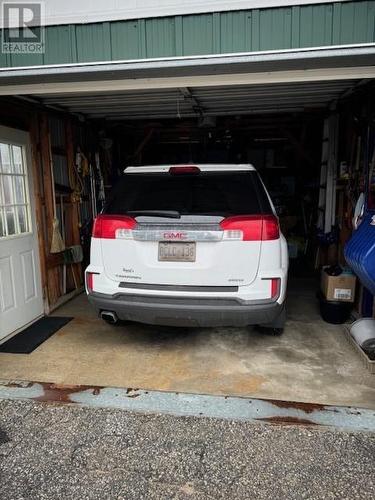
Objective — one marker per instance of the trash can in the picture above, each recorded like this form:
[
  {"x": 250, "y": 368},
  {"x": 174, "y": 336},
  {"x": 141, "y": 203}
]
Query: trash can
[{"x": 334, "y": 312}]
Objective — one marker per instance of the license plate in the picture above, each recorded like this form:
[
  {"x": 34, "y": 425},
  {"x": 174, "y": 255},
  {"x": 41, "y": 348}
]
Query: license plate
[{"x": 176, "y": 252}]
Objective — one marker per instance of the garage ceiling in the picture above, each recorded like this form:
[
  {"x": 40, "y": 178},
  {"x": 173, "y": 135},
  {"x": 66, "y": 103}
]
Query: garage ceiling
[{"x": 203, "y": 101}]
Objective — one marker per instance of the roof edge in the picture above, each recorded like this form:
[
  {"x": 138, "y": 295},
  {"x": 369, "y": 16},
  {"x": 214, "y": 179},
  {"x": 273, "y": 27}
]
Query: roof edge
[{"x": 201, "y": 60}]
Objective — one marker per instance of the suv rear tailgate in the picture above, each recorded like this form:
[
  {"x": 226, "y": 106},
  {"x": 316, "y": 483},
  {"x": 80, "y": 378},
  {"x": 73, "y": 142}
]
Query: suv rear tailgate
[
  {"x": 201, "y": 201},
  {"x": 216, "y": 263}
]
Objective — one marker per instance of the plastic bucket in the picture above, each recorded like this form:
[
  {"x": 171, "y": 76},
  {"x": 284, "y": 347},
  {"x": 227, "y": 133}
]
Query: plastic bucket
[{"x": 334, "y": 312}]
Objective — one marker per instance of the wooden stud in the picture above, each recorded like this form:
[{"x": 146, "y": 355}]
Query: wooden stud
[
  {"x": 53, "y": 274},
  {"x": 37, "y": 173},
  {"x": 73, "y": 215}
]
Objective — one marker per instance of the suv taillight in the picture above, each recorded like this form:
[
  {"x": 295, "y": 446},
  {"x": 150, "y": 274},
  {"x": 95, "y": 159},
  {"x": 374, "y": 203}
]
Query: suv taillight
[
  {"x": 113, "y": 226},
  {"x": 275, "y": 288},
  {"x": 251, "y": 227},
  {"x": 89, "y": 282}
]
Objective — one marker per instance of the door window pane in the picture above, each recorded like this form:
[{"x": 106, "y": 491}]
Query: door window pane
[
  {"x": 8, "y": 189},
  {"x": 2, "y": 227},
  {"x": 19, "y": 189},
  {"x": 5, "y": 158},
  {"x": 14, "y": 205},
  {"x": 11, "y": 223},
  {"x": 22, "y": 219},
  {"x": 17, "y": 160}
]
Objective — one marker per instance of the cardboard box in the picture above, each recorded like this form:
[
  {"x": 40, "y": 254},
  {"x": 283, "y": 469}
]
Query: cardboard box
[{"x": 338, "y": 288}]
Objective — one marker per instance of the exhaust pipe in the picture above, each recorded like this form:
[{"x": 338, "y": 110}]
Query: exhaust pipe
[{"x": 109, "y": 317}]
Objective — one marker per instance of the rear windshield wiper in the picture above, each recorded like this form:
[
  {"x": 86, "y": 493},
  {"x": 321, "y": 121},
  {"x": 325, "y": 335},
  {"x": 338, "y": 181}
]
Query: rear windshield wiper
[{"x": 173, "y": 214}]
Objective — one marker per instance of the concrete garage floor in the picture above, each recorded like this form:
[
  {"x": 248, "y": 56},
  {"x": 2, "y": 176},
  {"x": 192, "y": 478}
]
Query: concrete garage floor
[{"x": 311, "y": 362}]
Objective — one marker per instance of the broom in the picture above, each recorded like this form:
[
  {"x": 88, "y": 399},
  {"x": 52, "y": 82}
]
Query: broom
[{"x": 57, "y": 243}]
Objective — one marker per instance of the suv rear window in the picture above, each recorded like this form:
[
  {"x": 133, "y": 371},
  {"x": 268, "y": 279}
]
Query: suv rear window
[{"x": 208, "y": 193}]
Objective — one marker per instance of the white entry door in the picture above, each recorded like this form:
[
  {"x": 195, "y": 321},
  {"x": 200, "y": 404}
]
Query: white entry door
[{"x": 21, "y": 300}]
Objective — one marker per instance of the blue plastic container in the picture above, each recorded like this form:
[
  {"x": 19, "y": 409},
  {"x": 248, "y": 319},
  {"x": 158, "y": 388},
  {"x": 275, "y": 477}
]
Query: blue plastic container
[{"x": 360, "y": 252}]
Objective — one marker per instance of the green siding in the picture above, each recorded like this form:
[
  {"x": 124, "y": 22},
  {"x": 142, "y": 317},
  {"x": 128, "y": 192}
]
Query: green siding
[
  {"x": 60, "y": 44},
  {"x": 93, "y": 42},
  {"x": 25, "y": 59},
  {"x": 197, "y": 34},
  {"x": 3, "y": 60},
  {"x": 275, "y": 29},
  {"x": 235, "y": 31},
  {"x": 125, "y": 40},
  {"x": 219, "y": 32},
  {"x": 160, "y": 37},
  {"x": 317, "y": 26}
]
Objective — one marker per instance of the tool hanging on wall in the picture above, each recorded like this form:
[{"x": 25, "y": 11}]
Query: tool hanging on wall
[
  {"x": 94, "y": 210},
  {"x": 57, "y": 243},
  {"x": 73, "y": 255},
  {"x": 101, "y": 194},
  {"x": 327, "y": 188}
]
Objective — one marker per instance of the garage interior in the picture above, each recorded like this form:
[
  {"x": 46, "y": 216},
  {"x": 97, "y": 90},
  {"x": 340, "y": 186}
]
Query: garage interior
[{"x": 277, "y": 127}]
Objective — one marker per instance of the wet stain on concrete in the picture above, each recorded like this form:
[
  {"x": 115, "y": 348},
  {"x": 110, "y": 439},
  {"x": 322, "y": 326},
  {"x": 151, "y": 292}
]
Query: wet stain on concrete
[{"x": 288, "y": 355}]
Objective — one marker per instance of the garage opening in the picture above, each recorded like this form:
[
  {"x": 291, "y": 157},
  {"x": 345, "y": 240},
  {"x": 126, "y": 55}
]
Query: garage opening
[
  {"x": 289, "y": 132},
  {"x": 310, "y": 142}
]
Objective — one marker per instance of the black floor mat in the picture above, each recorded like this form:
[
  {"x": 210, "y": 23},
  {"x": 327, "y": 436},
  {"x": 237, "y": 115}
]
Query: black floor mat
[{"x": 29, "y": 339}]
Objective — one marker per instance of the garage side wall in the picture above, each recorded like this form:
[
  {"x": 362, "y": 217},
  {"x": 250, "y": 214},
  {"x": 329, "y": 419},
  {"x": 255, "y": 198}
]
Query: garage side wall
[
  {"x": 45, "y": 152},
  {"x": 328, "y": 24}
]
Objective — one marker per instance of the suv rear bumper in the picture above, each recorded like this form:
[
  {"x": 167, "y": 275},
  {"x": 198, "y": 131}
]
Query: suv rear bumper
[{"x": 187, "y": 311}]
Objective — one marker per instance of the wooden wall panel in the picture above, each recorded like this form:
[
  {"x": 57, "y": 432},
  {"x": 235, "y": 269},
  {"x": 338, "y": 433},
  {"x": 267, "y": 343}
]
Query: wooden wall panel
[
  {"x": 37, "y": 173},
  {"x": 53, "y": 272}
]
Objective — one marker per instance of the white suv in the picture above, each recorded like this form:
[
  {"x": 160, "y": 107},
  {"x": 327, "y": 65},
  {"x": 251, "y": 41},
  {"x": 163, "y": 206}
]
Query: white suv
[{"x": 189, "y": 245}]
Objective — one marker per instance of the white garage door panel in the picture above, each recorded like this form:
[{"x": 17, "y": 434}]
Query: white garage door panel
[{"x": 21, "y": 300}]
